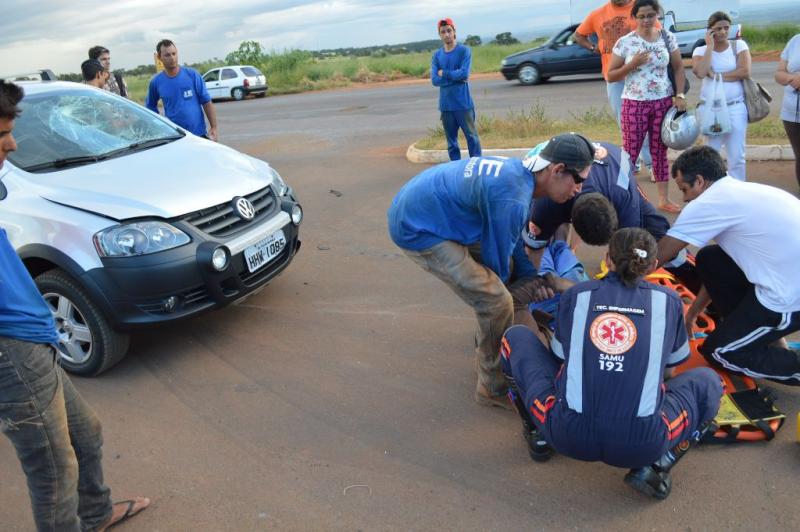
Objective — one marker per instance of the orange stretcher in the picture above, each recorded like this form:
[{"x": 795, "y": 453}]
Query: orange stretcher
[{"x": 747, "y": 412}]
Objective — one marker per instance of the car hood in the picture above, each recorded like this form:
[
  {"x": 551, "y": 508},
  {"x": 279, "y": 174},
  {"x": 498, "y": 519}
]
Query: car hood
[
  {"x": 520, "y": 55},
  {"x": 165, "y": 182}
]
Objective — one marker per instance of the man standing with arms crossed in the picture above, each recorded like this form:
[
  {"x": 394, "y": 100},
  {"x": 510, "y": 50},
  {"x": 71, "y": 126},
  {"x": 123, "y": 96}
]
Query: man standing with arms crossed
[
  {"x": 610, "y": 22},
  {"x": 183, "y": 93},
  {"x": 450, "y": 66}
]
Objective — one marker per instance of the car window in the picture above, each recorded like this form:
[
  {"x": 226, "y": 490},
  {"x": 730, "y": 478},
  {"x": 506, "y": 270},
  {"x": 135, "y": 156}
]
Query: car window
[
  {"x": 81, "y": 123},
  {"x": 562, "y": 37},
  {"x": 228, "y": 73},
  {"x": 251, "y": 71},
  {"x": 212, "y": 76}
]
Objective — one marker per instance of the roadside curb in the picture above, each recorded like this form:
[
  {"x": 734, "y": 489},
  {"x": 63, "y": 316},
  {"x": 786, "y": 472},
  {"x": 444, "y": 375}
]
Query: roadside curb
[{"x": 767, "y": 152}]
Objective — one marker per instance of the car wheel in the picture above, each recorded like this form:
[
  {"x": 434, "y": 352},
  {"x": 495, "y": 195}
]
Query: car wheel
[
  {"x": 529, "y": 74},
  {"x": 89, "y": 346},
  {"x": 237, "y": 93}
]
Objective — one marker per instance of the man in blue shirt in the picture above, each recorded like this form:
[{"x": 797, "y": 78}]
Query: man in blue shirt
[
  {"x": 56, "y": 434},
  {"x": 183, "y": 93},
  {"x": 450, "y": 66},
  {"x": 461, "y": 221}
]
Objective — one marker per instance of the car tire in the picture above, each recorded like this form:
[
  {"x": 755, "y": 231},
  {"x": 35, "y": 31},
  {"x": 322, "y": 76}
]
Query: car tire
[
  {"x": 528, "y": 74},
  {"x": 238, "y": 94},
  {"x": 96, "y": 347}
]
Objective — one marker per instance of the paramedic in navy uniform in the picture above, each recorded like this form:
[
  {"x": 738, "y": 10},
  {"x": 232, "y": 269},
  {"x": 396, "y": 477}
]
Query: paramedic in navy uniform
[{"x": 607, "y": 402}]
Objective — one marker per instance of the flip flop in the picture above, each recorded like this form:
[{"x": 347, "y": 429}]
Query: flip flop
[{"x": 129, "y": 512}]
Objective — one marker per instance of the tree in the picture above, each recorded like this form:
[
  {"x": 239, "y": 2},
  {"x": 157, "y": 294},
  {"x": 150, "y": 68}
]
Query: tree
[
  {"x": 249, "y": 53},
  {"x": 473, "y": 40},
  {"x": 505, "y": 38}
]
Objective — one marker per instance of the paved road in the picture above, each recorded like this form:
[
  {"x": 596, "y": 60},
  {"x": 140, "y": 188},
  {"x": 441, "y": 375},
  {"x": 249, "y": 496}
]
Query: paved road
[{"x": 340, "y": 398}]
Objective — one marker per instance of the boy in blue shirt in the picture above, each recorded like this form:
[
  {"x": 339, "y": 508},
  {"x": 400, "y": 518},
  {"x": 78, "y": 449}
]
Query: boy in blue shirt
[
  {"x": 461, "y": 221},
  {"x": 183, "y": 92},
  {"x": 56, "y": 435},
  {"x": 450, "y": 66}
]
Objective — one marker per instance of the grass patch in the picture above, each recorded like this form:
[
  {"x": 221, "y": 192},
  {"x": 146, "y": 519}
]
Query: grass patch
[
  {"x": 769, "y": 38},
  {"x": 527, "y": 128}
]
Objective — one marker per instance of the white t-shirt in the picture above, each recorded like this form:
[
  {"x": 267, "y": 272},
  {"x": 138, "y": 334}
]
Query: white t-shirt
[
  {"x": 650, "y": 81},
  {"x": 790, "y": 110},
  {"x": 722, "y": 62},
  {"x": 758, "y": 226}
]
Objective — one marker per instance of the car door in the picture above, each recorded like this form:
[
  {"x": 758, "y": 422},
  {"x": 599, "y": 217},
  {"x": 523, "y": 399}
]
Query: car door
[
  {"x": 587, "y": 62},
  {"x": 211, "y": 79},
  {"x": 228, "y": 80},
  {"x": 559, "y": 56}
]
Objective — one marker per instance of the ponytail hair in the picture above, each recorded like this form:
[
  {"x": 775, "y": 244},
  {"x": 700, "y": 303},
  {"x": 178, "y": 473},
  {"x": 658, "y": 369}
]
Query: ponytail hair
[{"x": 633, "y": 252}]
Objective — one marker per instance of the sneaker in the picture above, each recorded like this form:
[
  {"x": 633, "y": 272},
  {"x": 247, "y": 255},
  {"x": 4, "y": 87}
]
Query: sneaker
[
  {"x": 538, "y": 448},
  {"x": 647, "y": 480},
  {"x": 483, "y": 397}
]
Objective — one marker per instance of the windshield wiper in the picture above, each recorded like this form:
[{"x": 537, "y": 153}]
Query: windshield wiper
[
  {"x": 64, "y": 163},
  {"x": 142, "y": 145}
]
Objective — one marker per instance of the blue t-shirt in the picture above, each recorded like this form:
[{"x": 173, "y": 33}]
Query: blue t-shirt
[
  {"x": 23, "y": 313},
  {"x": 183, "y": 97},
  {"x": 613, "y": 178},
  {"x": 480, "y": 199},
  {"x": 616, "y": 342},
  {"x": 453, "y": 86}
]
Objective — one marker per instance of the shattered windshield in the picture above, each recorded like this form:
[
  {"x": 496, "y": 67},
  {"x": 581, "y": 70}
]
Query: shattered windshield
[{"x": 82, "y": 126}]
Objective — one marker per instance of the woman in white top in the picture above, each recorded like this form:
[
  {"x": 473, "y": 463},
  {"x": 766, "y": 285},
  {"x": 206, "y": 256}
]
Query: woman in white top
[
  {"x": 732, "y": 60},
  {"x": 641, "y": 58},
  {"x": 788, "y": 75}
]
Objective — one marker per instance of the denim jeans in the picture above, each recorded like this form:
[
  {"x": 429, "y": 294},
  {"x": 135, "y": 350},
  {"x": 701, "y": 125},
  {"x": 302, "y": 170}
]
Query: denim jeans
[
  {"x": 480, "y": 288},
  {"x": 57, "y": 438},
  {"x": 465, "y": 120},
  {"x": 614, "y": 90}
]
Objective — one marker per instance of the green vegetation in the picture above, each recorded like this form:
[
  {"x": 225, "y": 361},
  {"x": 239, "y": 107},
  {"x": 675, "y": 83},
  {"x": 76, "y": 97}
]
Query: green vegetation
[
  {"x": 527, "y": 128},
  {"x": 769, "y": 38}
]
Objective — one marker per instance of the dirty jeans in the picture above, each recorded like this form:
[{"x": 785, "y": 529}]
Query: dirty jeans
[
  {"x": 57, "y": 438},
  {"x": 481, "y": 289}
]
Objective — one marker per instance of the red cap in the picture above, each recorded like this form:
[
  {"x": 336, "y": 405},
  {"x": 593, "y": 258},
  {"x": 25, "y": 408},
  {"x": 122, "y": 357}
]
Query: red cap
[{"x": 445, "y": 22}]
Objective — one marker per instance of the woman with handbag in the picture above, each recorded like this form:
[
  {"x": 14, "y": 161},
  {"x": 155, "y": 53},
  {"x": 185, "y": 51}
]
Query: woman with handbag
[
  {"x": 732, "y": 61},
  {"x": 788, "y": 75},
  {"x": 642, "y": 58}
]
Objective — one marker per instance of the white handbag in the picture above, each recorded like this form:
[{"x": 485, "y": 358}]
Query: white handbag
[{"x": 715, "y": 119}]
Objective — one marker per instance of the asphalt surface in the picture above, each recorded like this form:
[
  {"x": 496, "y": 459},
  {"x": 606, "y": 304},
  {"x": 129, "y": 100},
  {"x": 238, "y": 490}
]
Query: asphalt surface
[{"x": 340, "y": 397}]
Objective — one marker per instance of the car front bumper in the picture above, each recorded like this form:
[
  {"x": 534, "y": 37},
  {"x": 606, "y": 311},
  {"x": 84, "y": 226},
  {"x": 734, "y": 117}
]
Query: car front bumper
[
  {"x": 179, "y": 283},
  {"x": 509, "y": 72},
  {"x": 253, "y": 89}
]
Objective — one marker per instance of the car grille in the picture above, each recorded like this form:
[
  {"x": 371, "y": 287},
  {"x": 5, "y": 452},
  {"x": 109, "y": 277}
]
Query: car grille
[
  {"x": 221, "y": 220},
  {"x": 189, "y": 299}
]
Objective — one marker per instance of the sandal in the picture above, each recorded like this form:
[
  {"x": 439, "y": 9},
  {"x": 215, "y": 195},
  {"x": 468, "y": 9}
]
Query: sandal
[{"x": 130, "y": 511}]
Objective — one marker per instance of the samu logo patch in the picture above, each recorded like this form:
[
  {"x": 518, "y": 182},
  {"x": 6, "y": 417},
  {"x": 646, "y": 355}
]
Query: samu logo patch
[
  {"x": 187, "y": 94},
  {"x": 613, "y": 333}
]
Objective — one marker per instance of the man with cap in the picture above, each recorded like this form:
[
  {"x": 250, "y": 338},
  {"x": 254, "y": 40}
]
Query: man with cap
[
  {"x": 461, "y": 221},
  {"x": 450, "y": 66}
]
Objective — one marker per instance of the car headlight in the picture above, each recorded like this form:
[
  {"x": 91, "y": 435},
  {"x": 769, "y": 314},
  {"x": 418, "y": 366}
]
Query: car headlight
[
  {"x": 280, "y": 185},
  {"x": 503, "y": 62},
  {"x": 138, "y": 238}
]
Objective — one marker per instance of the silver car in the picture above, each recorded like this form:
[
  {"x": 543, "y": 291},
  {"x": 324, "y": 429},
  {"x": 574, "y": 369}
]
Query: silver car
[{"x": 126, "y": 220}]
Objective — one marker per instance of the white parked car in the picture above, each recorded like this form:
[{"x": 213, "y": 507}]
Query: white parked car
[
  {"x": 125, "y": 220},
  {"x": 235, "y": 82}
]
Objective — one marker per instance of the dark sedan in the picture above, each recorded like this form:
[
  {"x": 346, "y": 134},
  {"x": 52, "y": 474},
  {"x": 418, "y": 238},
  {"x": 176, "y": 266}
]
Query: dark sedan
[{"x": 559, "y": 56}]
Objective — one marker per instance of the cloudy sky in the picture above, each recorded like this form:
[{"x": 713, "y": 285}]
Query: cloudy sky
[{"x": 56, "y": 34}]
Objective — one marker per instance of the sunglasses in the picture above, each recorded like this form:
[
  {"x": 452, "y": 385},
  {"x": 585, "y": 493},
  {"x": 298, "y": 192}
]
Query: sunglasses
[{"x": 575, "y": 176}]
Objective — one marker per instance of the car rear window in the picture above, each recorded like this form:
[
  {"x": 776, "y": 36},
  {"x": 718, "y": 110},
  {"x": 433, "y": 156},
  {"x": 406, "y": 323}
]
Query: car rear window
[{"x": 250, "y": 71}]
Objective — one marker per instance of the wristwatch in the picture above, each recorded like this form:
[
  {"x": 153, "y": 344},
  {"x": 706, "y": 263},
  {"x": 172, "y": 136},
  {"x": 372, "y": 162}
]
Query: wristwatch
[
  {"x": 681, "y": 95},
  {"x": 594, "y": 47}
]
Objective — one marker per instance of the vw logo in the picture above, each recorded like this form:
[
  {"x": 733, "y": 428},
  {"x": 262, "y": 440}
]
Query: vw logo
[{"x": 244, "y": 208}]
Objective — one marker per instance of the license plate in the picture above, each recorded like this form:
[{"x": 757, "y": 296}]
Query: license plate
[{"x": 264, "y": 251}]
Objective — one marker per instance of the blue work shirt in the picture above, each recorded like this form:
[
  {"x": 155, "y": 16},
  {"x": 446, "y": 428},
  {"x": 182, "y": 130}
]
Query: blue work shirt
[
  {"x": 613, "y": 178},
  {"x": 616, "y": 342},
  {"x": 477, "y": 200},
  {"x": 453, "y": 86},
  {"x": 183, "y": 97},
  {"x": 23, "y": 313}
]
